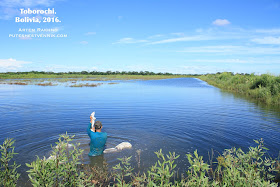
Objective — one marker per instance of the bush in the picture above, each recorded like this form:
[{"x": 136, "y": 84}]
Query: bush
[
  {"x": 8, "y": 172},
  {"x": 233, "y": 167},
  {"x": 61, "y": 169},
  {"x": 264, "y": 88}
]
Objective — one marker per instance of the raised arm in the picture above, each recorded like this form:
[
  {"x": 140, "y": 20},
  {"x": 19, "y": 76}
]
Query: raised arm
[
  {"x": 88, "y": 129},
  {"x": 91, "y": 125}
]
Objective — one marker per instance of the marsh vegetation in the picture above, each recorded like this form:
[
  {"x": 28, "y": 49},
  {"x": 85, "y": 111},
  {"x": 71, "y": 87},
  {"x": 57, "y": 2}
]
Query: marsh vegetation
[
  {"x": 264, "y": 88},
  {"x": 233, "y": 167}
]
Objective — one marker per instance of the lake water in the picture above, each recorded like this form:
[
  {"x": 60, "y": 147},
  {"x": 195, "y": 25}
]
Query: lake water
[{"x": 179, "y": 115}]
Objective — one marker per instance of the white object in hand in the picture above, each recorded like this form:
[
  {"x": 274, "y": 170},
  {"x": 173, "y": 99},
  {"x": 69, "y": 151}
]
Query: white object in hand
[
  {"x": 93, "y": 120},
  {"x": 92, "y": 115}
]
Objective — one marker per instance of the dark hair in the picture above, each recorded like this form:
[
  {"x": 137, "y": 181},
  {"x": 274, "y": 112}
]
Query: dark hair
[{"x": 97, "y": 125}]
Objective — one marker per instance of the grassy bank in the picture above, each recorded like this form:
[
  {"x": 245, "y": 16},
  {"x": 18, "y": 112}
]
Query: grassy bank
[
  {"x": 233, "y": 167},
  {"x": 264, "y": 88},
  {"x": 92, "y": 75}
]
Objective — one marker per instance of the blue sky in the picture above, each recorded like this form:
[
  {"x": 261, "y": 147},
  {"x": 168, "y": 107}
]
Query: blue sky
[{"x": 178, "y": 36}]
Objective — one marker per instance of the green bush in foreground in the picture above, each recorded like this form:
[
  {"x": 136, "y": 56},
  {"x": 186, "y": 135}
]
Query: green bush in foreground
[
  {"x": 8, "y": 173},
  {"x": 61, "y": 168},
  {"x": 233, "y": 168}
]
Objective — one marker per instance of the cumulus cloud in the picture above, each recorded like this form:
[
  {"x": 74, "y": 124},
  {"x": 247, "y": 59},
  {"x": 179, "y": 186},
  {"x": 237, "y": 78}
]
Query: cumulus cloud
[
  {"x": 11, "y": 64},
  {"x": 221, "y": 22},
  {"x": 267, "y": 40}
]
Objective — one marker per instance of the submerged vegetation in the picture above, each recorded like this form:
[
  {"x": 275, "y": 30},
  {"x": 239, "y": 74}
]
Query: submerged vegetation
[
  {"x": 86, "y": 85},
  {"x": 233, "y": 167},
  {"x": 264, "y": 88},
  {"x": 45, "y": 84}
]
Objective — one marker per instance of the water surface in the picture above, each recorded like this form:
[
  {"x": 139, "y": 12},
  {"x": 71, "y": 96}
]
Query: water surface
[{"x": 179, "y": 115}]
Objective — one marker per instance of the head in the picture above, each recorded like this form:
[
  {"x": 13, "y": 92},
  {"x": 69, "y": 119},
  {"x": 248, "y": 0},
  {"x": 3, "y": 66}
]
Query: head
[{"x": 98, "y": 126}]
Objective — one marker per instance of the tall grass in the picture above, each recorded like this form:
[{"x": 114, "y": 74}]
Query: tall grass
[
  {"x": 264, "y": 88},
  {"x": 233, "y": 167}
]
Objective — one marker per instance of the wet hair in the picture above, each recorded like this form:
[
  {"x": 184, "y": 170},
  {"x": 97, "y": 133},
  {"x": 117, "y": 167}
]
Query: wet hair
[{"x": 97, "y": 125}]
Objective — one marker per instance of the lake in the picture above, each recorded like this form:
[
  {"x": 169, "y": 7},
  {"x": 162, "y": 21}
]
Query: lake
[{"x": 178, "y": 115}]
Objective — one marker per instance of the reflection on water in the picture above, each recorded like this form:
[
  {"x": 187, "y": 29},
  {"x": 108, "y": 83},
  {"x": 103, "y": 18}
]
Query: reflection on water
[{"x": 178, "y": 115}]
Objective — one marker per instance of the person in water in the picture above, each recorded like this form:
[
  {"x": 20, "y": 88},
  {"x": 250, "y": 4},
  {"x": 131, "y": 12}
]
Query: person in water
[{"x": 97, "y": 138}]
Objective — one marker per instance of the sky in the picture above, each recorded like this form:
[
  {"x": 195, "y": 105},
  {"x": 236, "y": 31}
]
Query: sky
[{"x": 177, "y": 36}]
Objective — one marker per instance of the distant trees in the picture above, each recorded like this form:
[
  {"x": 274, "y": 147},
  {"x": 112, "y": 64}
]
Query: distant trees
[
  {"x": 74, "y": 74},
  {"x": 92, "y": 73}
]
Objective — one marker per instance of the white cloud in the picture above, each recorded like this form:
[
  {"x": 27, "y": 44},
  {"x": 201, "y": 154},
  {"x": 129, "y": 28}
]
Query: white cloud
[
  {"x": 66, "y": 68},
  {"x": 221, "y": 22},
  {"x": 156, "y": 36},
  {"x": 178, "y": 33},
  {"x": 200, "y": 69},
  {"x": 90, "y": 33},
  {"x": 220, "y": 60},
  {"x": 268, "y": 31},
  {"x": 244, "y": 60},
  {"x": 184, "y": 39},
  {"x": 267, "y": 40},
  {"x": 11, "y": 64},
  {"x": 84, "y": 42},
  {"x": 211, "y": 49},
  {"x": 231, "y": 49},
  {"x": 129, "y": 41}
]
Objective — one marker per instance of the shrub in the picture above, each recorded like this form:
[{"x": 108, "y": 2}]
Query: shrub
[
  {"x": 163, "y": 170},
  {"x": 8, "y": 172},
  {"x": 61, "y": 169},
  {"x": 254, "y": 168},
  {"x": 233, "y": 167},
  {"x": 264, "y": 88}
]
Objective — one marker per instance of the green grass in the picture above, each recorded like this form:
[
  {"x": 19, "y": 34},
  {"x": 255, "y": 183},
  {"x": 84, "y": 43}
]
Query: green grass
[{"x": 264, "y": 88}]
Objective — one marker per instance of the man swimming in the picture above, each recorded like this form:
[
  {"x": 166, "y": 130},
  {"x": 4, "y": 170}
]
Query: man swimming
[{"x": 97, "y": 138}]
